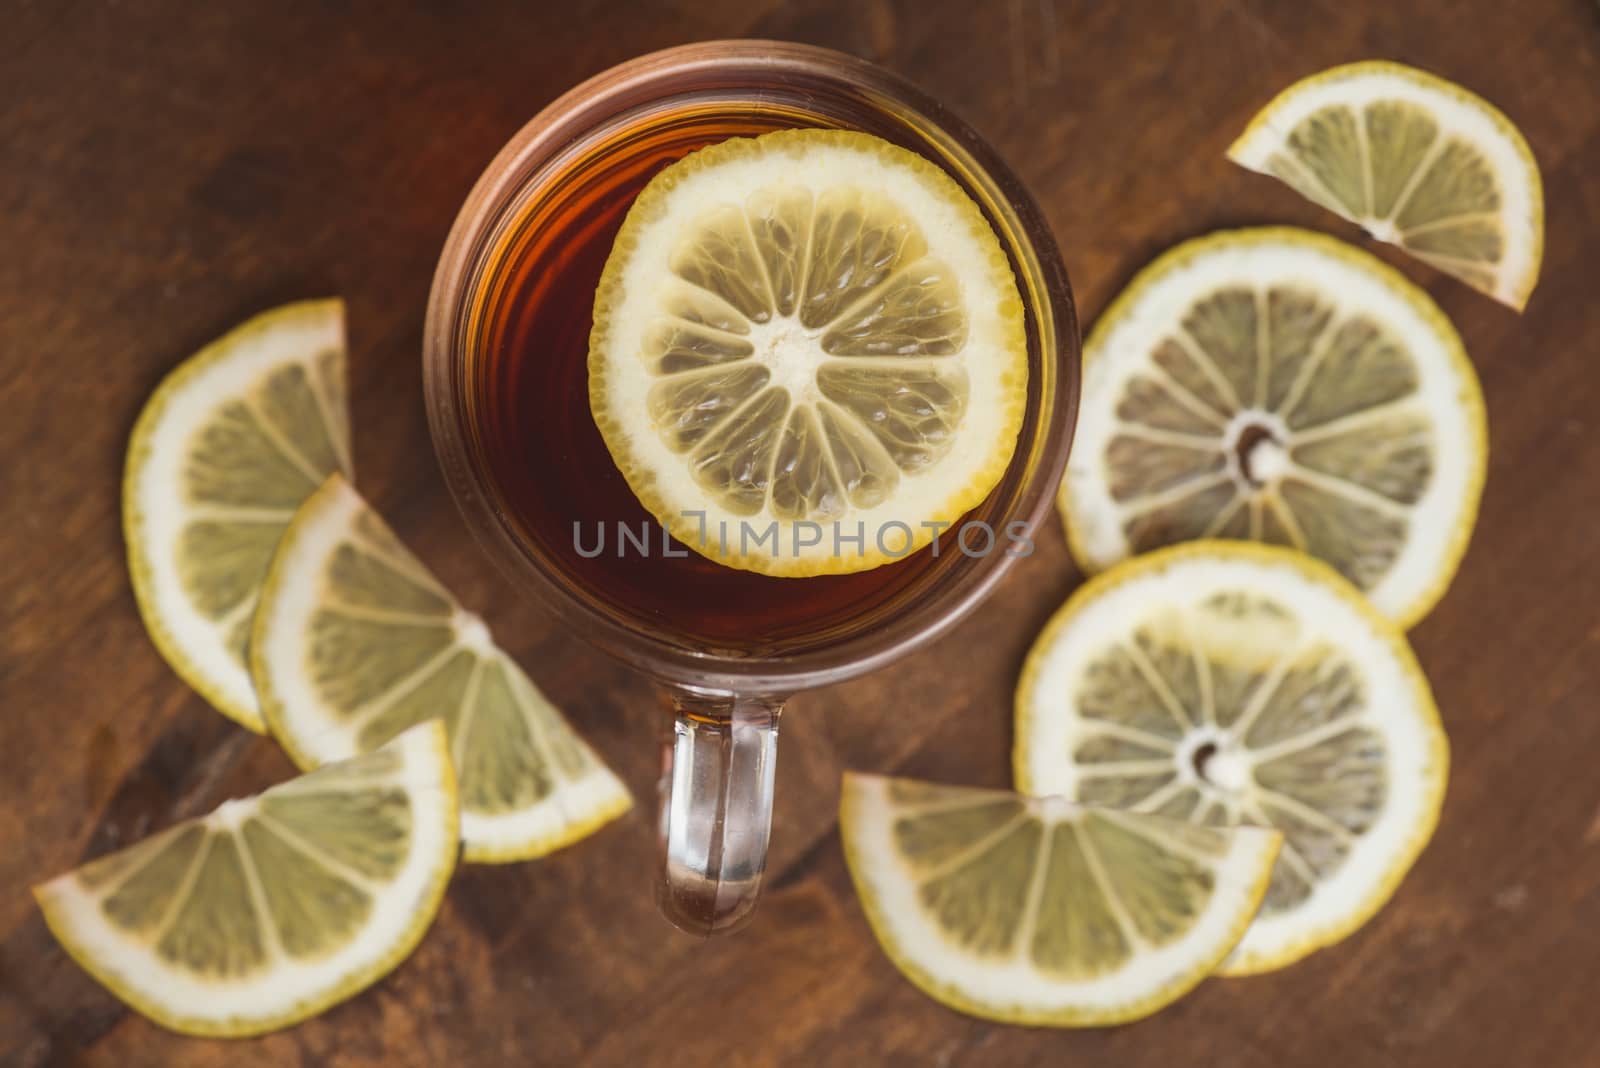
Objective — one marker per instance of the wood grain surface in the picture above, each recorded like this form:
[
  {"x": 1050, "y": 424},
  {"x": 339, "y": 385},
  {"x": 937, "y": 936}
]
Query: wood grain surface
[{"x": 167, "y": 169}]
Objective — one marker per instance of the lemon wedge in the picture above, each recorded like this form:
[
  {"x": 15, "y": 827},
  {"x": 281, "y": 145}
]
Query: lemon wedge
[
  {"x": 228, "y": 446},
  {"x": 1416, "y": 161},
  {"x": 273, "y": 907},
  {"x": 1039, "y": 911},
  {"x": 355, "y": 641}
]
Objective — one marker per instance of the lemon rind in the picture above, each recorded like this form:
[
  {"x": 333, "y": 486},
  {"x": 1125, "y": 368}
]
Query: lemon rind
[{"x": 537, "y": 846}]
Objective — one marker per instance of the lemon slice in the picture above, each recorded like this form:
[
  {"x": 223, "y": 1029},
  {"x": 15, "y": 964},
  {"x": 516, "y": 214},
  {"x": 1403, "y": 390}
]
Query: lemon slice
[
  {"x": 224, "y": 452},
  {"x": 1416, "y": 161},
  {"x": 274, "y": 907},
  {"x": 1037, "y": 911},
  {"x": 1225, "y": 683},
  {"x": 808, "y": 352},
  {"x": 1279, "y": 386},
  {"x": 355, "y": 641}
]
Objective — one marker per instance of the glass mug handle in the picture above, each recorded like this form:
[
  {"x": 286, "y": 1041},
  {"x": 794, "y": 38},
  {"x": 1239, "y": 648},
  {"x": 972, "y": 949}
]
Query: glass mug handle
[{"x": 716, "y": 808}]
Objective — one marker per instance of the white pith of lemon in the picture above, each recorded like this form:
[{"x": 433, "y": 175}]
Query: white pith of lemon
[
  {"x": 273, "y": 907},
  {"x": 223, "y": 453},
  {"x": 807, "y": 327},
  {"x": 355, "y": 641},
  {"x": 1225, "y": 683},
  {"x": 1277, "y": 385},
  {"x": 1416, "y": 161},
  {"x": 1039, "y": 911}
]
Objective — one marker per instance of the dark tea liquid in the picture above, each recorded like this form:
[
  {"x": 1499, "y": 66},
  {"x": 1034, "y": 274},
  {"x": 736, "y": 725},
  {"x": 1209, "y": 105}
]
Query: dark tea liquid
[{"x": 546, "y": 460}]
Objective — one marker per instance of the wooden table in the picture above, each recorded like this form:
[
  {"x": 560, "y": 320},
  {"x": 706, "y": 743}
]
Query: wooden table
[{"x": 167, "y": 169}]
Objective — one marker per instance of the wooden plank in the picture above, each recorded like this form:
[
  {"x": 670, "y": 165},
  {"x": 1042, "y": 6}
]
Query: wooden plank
[{"x": 167, "y": 169}]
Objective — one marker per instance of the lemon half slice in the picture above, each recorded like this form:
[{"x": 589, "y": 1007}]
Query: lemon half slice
[
  {"x": 273, "y": 907},
  {"x": 1417, "y": 161},
  {"x": 355, "y": 641},
  {"x": 1224, "y": 683},
  {"x": 1279, "y": 386},
  {"x": 225, "y": 450},
  {"x": 1037, "y": 911},
  {"x": 808, "y": 327}
]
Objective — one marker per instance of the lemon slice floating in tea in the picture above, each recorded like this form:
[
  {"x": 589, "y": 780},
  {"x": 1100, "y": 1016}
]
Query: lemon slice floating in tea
[
  {"x": 274, "y": 907},
  {"x": 224, "y": 452},
  {"x": 1280, "y": 386},
  {"x": 1416, "y": 161},
  {"x": 355, "y": 641},
  {"x": 807, "y": 327},
  {"x": 1224, "y": 683},
  {"x": 1038, "y": 911}
]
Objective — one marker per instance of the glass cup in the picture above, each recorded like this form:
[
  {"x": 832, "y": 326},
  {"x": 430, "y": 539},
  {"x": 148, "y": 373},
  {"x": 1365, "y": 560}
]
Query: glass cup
[{"x": 720, "y": 743}]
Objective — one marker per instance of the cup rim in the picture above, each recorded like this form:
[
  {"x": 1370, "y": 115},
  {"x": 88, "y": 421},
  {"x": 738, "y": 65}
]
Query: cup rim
[{"x": 703, "y": 670}]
